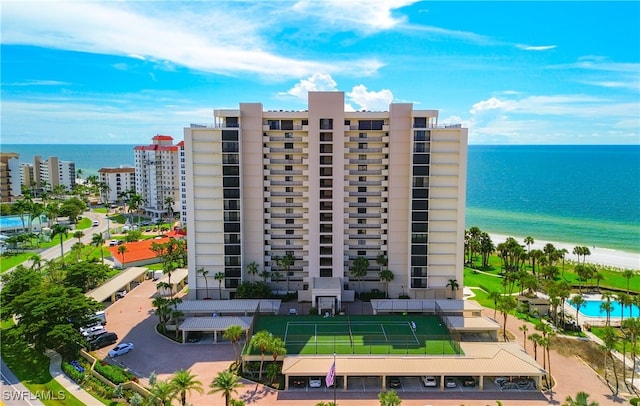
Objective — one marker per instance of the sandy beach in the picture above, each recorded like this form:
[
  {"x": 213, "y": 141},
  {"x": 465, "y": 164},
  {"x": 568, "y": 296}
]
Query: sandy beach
[{"x": 599, "y": 256}]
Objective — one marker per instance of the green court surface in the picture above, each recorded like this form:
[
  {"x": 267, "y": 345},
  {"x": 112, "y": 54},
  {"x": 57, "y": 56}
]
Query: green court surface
[{"x": 386, "y": 334}]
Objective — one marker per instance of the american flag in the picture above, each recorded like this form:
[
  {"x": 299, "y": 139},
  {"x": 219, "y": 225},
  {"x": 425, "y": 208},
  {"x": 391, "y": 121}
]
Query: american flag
[{"x": 330, "y": 375}]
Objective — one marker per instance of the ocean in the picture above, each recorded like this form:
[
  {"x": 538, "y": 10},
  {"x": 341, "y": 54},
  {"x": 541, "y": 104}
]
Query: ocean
[{"x": 586, "y": 194}]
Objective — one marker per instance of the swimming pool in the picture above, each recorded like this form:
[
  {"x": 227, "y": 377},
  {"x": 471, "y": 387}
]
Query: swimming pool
[
  {"x": 591, "y": 308},
  {"x": 12, "y": 223}
]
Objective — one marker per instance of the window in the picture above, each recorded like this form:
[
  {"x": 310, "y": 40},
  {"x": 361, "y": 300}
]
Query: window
[
  {"x": 328, "y": 171},
  {"x": 362, "y": 189},
  {"x": 419, "y": 122},
  {"x": 326, "y": 216},
  {"x": 326, "y": 239},
  {"x": 420, "y": 147},
  {"x": 362, "y": 135},
  {"x": 288, "y": 221},
  {"x": 326, "y": 124},
  {"x": 286, "y": 125},
  {"x": 362, "y": 178},
  {"x": 289, "y": 210},
  {"x": 326, "y": 160},
  {"x": 362, "y": 200},
  {"x": 326, "y": 205},
  {"x": 326, "y": 261},
  {"x": 420, "y": 171},
  {"x": 326, "y": 182},
  {"x": 326, "y": 228},
  {"x": 326, "y": 148},
  {"x": 229, "y": 135},
  {"x": 288, "y": 145},
  {"x": 362, "y": 157},
  {"x": 326, "y": 273},
  {"x": 232, "y": 204},
  {"x": 230, "y": 170},
  {"x": 274, "y": 124},
  {"x": 305, "y": 122},
  {"x": 288, "y": 178},
  {"x": 420, "y": 205},
  {"x": 288, "y": 189},
  {"x": 230, "y": 182},
  {"x": 421, "y": 159},
  {"x": 288, "y": 135},
  {"x": 370, "y": 124},
  {"x": 362, "y": 210},
  {"x": 421, "y": 135},
  {"x": 289, "y": 200},
  {"x": 362, "y": 221},
  {"x": 326, "y": 250},
  {"x": 327, "y": 137},
  {"x": 362, "y": 167},
  {"x": 232, "y": 122},
  {"x": 230, "y": 146},
  {"x": 362, "y": 145},
  {"x": 288, "y": 168}
]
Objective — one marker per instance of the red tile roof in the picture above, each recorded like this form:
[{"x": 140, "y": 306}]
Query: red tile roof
[{"x": 162, "y": 138}]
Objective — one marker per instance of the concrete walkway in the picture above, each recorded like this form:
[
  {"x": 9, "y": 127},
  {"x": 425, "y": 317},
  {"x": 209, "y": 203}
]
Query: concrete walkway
[{"x": 55, "y": 369}]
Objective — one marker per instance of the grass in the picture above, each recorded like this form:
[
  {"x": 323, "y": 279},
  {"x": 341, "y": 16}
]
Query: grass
[
  {"x": 32, "y": 368},
  {"x": 388, "y": 334}
]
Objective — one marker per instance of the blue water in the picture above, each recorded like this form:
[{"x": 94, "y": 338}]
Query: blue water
[
  {"x": 591, "y": 308},
  {"x": 586, "y": 194}
]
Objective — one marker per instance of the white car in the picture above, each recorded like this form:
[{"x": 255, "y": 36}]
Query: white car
[
  {"x": 94, "y": 333},
  {"x": 95, "y": 223},
  {"x": 121, "y": 293},
  {"x": 450, "y": 382},
  {"x": 113, "y": 243},
  {"x": 120, "y": 349},
  {"x": 315, "y": 382},
  {"x": 429, "y": 381},
  {"x": 89, "y": 331}
]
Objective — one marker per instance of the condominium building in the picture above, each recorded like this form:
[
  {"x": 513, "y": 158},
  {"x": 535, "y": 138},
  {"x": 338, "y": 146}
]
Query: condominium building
[
  {"x": 157, "y": 172},
  {"x": 329, "y": 191},
  {"x": 118, "y": 181},
  {"x": 47, "y": 174},
  {"x": 9, "y": 176}
]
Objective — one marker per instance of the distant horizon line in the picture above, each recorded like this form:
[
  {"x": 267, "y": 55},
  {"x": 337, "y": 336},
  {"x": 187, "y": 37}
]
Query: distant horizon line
[{"x": 474, "y": 144}]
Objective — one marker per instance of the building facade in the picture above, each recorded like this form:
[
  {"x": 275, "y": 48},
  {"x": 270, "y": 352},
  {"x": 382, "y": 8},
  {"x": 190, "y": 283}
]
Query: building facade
[
  {"x": 9, "y": 176},
  {"x": 118, "y": 181},
  {"x": 310, "y": 196},
  {"x": 157, "y": 173},
  {"x": 47, "y": 175}
]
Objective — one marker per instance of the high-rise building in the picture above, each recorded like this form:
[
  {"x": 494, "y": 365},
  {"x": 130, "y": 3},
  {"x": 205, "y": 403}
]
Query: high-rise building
[
  {"x": 9, "y": 176},
  {"x": 157, "y": 170},
  {"x": 324, "y": 200},
  {"x": 118, "y": 181},
  {"x": 47, "y": 174}
]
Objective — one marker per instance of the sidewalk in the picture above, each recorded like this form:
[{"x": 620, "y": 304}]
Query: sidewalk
[{"x": 55, "y": 370}]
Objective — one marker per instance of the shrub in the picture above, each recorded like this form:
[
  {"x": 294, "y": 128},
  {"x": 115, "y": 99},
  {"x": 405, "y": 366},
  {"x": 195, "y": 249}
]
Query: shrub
[
  {"x": 72, "y": 372},
  {"x": 114, "y": 373}
]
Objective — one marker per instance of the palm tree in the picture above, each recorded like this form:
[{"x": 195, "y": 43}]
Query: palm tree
[
  {"x": 273, "y": 370},
  {"x": 234, "y": 334},
  {"x": 494, "y": 295},
  {"x": 122, "y": 249},
  {"x": 262, "y": 339},
  {"x": 78, "y": 234},
  {"x": 287, "y": 261},
  {"x": 528, "y": 241},
  {"x": 582, "y": 399},
  {"x": 36, "y": 262},
  {"x": 62, "y": 232},
  {"x": 382, "y": 261},
  {"x": 389, "y": 398},
  {"x": 607, "y": 307},
  {"x": 219, "y": 276},
  {"x": 277, "y": 348},
  {"x": 168, "y": 204},
  {"x": 183, "y": 381},
  {"x": 453, "y": 283},
  {"x": 505, "y": 305},
  {"x": 524, "y": 328},
  {"x": 162, "y": 392},
  {"x": 628, "y": 274},
  {"x": 535, "y": 339},
  {"x": 386, "y": 276},
  {"x": 359, "y": 270},
  {"x": 631, "y": 327},
  {"x": 577, "y": 301},
  {"x": 252, "y": 269},
  {"x": 98, "y": 241},
  {"x": 204, "y": 273},
  {"x": 610, "y": 339},
  {"x": 227, "y": 383}
]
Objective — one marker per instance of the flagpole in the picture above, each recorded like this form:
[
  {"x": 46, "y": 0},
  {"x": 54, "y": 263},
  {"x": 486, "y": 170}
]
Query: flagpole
[{"x": 335, "y": 382}]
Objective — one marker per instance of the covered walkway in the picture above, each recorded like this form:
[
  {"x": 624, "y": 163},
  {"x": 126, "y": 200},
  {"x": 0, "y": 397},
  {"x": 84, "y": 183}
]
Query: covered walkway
[{"x": 121, "y": 281}]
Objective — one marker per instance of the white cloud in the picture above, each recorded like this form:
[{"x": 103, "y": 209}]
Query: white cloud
[
  {"x": 315, "y": 83},
  {"x": 363, "y": 15},
  {"x": 117, "y": 29},
  {"x": 491, "y": 104},
  {"x": 535, "y": 47},
  {"x": 370, "y": 100}
]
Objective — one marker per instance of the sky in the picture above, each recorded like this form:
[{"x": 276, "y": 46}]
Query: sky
[{"x": 120, "y": 72}]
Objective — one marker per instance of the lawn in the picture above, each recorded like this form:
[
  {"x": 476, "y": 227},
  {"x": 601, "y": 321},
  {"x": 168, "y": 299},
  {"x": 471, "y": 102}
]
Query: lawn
[
  {"x": 32, "y": 368},
  {"x": 388, "y": 334}
]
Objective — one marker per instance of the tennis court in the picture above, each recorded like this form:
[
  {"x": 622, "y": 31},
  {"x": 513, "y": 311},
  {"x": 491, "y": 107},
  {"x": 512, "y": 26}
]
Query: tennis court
[{"x": 388, "y": 334}]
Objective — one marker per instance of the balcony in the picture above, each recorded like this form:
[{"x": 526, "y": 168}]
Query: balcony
[
  {"x": 363, "y": 150},
  {"x": 364, "y": 226},
  {"x": 365, "y": 215},
  {"x": 283, "y": 172},
  {"x": 283, "y": 161},
  {"x": 365, "y": 172},
  {"x": 364, "y": 194}
]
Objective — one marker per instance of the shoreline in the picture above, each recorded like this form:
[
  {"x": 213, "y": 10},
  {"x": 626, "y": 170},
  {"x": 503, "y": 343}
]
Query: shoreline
[{"x": 599, "y": 256}]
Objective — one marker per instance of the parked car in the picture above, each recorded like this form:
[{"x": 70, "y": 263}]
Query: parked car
[
  {"x": 121, "y": 293},
  {"x": 120, "y": 349},
  {"x": 113, "y": 243},
  {"x": 393, "y": 382},
  {"x": 194, "y": 337},
  {"x": 299, "y": 382},
  {"x": 102, "y": 340},
  {"x": 94, "y": 333},
  {"x": 468, "y": 381},
  {"x": 315, "y": 382},
  {"x": 429, "y": 381},
  {"x": 450, "y": 382},
  {"x": 89, "y": 331},
  {"x": 95, "y": 223}
]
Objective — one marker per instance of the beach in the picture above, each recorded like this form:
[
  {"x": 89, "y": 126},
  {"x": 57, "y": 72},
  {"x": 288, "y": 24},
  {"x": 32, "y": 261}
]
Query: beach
[{"x": 599, "y": 256}]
